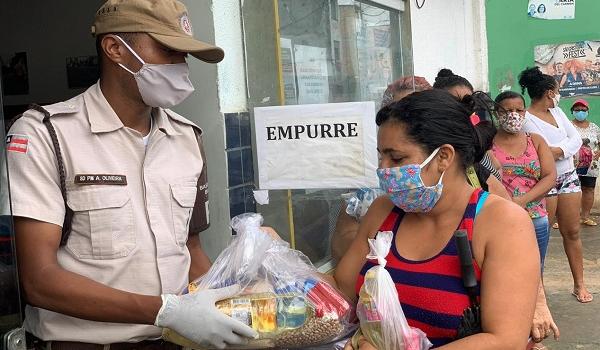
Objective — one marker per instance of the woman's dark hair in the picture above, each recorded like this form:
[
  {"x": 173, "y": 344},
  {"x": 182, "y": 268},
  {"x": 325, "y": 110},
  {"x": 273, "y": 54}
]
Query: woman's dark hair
[
  {"x": 536, "y": 83},
  {"x": 434, "y": 117},
  {"x": 446, "y": 80},
  {"x": 507, "y": 95}
]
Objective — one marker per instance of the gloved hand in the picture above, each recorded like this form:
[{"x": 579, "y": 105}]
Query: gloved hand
[{"x": 196, "y": 317}]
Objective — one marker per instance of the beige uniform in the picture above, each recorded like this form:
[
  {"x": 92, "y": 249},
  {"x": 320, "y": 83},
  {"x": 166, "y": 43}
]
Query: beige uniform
[{"x": 132, "y": 204}]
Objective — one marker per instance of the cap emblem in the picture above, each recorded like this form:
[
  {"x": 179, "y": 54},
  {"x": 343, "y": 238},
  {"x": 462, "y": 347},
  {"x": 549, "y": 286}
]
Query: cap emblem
[{"x": 186, "y": 25}]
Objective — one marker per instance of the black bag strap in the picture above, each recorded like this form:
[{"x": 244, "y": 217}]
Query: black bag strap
[{"x": 66, "y": 228}]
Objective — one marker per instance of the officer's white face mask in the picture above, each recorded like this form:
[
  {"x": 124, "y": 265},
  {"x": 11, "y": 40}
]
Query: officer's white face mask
[{"x": 161, "y": 85}]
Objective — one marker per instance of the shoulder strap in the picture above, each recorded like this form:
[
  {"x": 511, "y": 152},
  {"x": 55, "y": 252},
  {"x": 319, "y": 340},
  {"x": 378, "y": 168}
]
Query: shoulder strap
[
  {"x": 200, "y": 215},
  {"x": 66, "y": 228},
  {"x": 481, "y": 201}
]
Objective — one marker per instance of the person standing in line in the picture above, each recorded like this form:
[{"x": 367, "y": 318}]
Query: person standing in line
[
  {"x": 587, "y": 160},
  {"x": 528, "y": 170},
  {"x": 109, "y": 195},
  {"x": 528, "y": 173},
  {"x": 346, "y": 226},
  {"x": 461, "y": 88},
  {"x": 544, "y": 117},
  {"x": 426, "y": 142},
  {"x": 403, "y": 87}
]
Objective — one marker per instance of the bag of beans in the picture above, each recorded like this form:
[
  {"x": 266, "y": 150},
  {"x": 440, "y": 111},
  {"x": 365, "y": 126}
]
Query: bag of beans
[
  {"x": 283, "y": 297},
  {"x": 382, "y": 321}
]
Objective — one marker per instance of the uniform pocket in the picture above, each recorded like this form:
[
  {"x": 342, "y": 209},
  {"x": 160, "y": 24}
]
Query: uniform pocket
[
  {"x": 102, "y": 226},
  {"x": 182, "y": 205}
]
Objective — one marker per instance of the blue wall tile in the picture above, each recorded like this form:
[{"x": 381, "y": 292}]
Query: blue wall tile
[
  {"x": 248, "y": 166},
  {"x": 245, "y": 130},
  {"x": 232, "y": 130},
  {"x": 237, "y": 203},
  {"x": 249, "y": 201},
  {"x": 234, "y": 168}
]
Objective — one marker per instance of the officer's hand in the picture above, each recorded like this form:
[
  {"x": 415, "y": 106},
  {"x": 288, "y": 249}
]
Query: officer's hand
[{"x": 195, "y": 317}]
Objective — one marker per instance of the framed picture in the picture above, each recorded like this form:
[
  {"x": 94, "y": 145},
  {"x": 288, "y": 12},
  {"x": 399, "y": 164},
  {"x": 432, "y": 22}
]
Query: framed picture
[{"x": 15, "y": 76}]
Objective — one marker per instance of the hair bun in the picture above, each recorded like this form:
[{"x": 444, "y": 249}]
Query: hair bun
[
  {"x": 530, "y": 76},
  {"x": 445, "y": 73}
]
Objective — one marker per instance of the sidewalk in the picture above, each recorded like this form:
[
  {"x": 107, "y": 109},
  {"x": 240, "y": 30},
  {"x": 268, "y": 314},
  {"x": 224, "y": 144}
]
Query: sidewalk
[{"x": 579, "y": 323}]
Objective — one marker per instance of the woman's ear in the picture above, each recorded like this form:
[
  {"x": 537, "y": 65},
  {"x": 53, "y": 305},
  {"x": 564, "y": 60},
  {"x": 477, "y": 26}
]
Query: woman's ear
[{"x": 446, "y": 157}]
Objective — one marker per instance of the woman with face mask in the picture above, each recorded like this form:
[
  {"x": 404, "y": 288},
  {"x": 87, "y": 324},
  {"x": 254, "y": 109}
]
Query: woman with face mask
[
  {"x": 528, "y": 173},
  {"x": 528, "y": 170},
  {"x": 587, "y": 160},
  {"x": 463, "y": 90},
  {"x": 426, "y": 142},
  {"x": 544, "y": 117}
]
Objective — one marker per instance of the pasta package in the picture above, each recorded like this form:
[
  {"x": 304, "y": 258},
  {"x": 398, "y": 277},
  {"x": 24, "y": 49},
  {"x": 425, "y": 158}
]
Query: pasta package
[
  {"x": 382, "y": 321},
  {"x": 283, "y": 298}
]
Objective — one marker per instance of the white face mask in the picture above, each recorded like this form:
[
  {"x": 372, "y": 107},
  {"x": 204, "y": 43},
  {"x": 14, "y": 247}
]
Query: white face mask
[
  {"x": 161, "y": 85},
  {"x": 556, "y": 100}
]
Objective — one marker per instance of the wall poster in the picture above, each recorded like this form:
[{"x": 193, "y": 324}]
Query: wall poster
[{"x": 575, "y": 66}]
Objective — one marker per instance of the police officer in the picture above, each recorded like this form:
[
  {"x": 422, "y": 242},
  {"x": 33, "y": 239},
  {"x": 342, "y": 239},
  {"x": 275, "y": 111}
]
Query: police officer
[{"x": 108, "y": 194}]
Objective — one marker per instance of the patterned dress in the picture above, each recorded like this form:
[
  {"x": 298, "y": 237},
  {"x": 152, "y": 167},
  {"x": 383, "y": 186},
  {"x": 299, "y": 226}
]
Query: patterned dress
[{"x": 520, "y": 174}]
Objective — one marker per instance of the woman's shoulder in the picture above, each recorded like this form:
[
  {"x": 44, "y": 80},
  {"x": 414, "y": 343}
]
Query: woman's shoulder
[
  {"x": 537, "y": 139},
  {"x": 498, "y": 216}
]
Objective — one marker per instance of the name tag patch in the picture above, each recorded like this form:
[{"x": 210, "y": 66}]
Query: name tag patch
[{"x": 100, "y": 179}]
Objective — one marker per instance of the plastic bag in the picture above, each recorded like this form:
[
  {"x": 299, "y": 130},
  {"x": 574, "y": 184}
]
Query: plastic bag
[
  {"x": 283, "y": 297},
  {"x": 585, "y": 156},
  {"x": 359, "y": 201},
  {"x": 382, "y": 321}
]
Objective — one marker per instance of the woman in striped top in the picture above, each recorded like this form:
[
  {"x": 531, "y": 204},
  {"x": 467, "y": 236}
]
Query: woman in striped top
[{"x": 426, "y": 141}]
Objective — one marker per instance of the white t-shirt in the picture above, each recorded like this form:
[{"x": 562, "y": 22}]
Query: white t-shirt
[{"x": 565, "y": 136}]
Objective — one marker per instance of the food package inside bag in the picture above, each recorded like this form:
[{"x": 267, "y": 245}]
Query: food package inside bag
[
  {"x": 382, "y": 321},
  {"x": 283, "y": 297}
]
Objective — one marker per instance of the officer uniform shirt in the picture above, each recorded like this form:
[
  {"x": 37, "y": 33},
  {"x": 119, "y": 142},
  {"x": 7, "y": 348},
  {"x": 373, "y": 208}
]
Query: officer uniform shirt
[{"x": 132, "y": 204}]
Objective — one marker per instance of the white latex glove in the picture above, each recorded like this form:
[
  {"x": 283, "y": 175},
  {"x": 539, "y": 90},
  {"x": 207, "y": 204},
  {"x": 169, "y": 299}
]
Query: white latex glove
[{"x": 196, "y": 317}]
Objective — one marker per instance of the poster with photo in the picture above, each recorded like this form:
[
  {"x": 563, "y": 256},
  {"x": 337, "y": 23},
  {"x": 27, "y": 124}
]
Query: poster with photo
[
  {"x": 15, "y": 76},
  {"x": 575, "y": 66},
  {"x": 82, "y": 71},
  {"x": 551, "y": 9}
]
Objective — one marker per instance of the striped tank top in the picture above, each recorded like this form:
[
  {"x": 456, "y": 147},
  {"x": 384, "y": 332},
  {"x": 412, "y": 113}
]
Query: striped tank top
[{"x": 431, "y": 291}]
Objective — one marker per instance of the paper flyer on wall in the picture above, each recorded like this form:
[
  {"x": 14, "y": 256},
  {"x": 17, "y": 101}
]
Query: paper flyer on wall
[
  {"x": 551, "y": 9},
  {"x": 318, "y": 146},
  {"x": 575, "y": 66}
]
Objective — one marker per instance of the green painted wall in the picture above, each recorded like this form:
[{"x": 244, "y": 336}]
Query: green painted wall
[{"x": 512, "y": 36}]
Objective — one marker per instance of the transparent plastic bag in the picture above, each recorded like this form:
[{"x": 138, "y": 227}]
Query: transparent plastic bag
[
  {"x": 382, "y": 321},
  {"x": 359, "y": 201},
  {"x": 283, "y": 297}
]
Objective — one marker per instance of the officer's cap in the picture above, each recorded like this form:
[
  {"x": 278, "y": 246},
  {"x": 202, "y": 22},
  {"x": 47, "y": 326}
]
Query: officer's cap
[{"x": 166, "y": 21}]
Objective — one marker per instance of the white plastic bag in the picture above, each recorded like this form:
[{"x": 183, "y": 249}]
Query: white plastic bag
[
  {"x": 359, "y": 201},
  {"x": 283, "y": 297},
  {"x": 382, "y": 321}
]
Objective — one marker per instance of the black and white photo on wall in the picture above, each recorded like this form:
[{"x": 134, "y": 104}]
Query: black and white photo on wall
[{"x": 15, "y": 76}]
